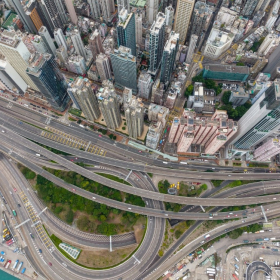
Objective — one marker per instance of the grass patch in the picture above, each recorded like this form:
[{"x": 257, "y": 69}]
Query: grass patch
[
  {"x": 114, "y": 178},
  {"x": 37, "y": 126},
  {"x": 262, "y": 165},
  {"x": 151, "y": 175},
  {"x": 238, "y": 183},
  {"x": 236, "y": 164},
  {"x": 75, "y": 112},
  {"x": 71, "y": 119},
  {"x": 216, "y": 183}
]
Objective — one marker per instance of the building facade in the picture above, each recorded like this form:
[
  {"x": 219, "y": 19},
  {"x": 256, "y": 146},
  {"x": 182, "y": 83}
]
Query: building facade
[
  {"x": 145, "y": 84},
  {"x": 95, "y": 44},
  {"x": 103, "y": 67}
]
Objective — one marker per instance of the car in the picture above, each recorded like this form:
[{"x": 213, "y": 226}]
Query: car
[
  {"x": 210, "y": 217},
  {"x": 236, "y": 215},
  {"x": 243, "y": 221},
  {"x": 129, "y": 208},
  {"x": 140, "y": 151},
  {"x": 230, "y": 213},
  {"x": 71, "y": 159},
  {"x": 19, "y": 205},
  {"x": 50, "y": 264},
  {"x": 228, "y": 216},
  {"x": 99, "y": 135},
  {"x": 267, "y": 209},
  {"x": 76, "y": 158},
  {"x": 15, "y": 189},
  {"x": 40, "y": 250},
  {"x": 274, "y": 198},
  {"x": 73, "y": 190},
  {"x": 229, "y": 175}
]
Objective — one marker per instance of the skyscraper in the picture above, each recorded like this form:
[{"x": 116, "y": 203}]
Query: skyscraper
[
  {"x": 44, "y": 33},
  {"x": 156, "y": 43},
  {"x": 124, "y": 68},
  {"x": 78, "y": 43},
  {"x": 56, "y": 12},
  {"x": 261, "y": 120},
  {"x": 60, "y": 38},
  {"x": 103, "y": 67},
  {"x": 85, "y": 97},
  {"x": 16, "y": 54},
  {"x": 126, "y": 31},
  {"x": 134, "y": 115},
  {"x": 249, "y": 7},
  {"x": 138, "y": 28},
  {"x": 95, "y": 44},
  {"x": 25, "y": 19},
  {"x": 152, "y": 10},
  {"x": 31, "y": 11},
  {"x": 107, "y": 8},
  {"x": 123, "y": 4},
  {"x": 169, "y": 13},
  {"x": 109, "y": 106},
  {"x": 45, "y": 16},
  {"x": 145, "y": 84},
  {"x": 45, "y": 74},
  {"x": 192, "y": 47},
  {"x": 95, "y": 8},
  {"x": 71, "y": 11},
  {"x": 182, "y": 18},
  {"x": 169, "y": 58},
  {"x": 39, "y": 44}
]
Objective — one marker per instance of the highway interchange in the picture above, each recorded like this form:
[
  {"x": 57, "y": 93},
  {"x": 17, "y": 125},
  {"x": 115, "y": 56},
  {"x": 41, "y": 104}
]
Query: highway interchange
[{"x": 14, "y": 143}]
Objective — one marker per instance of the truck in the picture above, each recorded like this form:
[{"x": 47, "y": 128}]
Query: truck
[
  {"x": 199, "y": 252},
  {"x": 235, "y": 277},
  {"x": 274, "y": 250},
  {"x": 38, "y": 155},
  {"x": 266, "y": 239},
  {"x": 245, "y": 241},
  {"x": 31, "y": 235},
  {"x": 207, "y": 236},
  {"x": 23, "y": 270},
  {"x": 237, "y": 267},
  {"x": 236, "y": 259},
  {"x": 7, "y": 264},
  {"x": 15, "y": 265},
  {"x": 259, "y": 239},
  {"x": 14, "y": 213},
  {"x": 19, "y": 267}
]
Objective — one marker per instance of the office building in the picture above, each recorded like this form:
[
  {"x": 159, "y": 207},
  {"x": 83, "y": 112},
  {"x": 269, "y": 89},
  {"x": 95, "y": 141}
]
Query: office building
[
  {"x": 151, "y": 10},
  {"x": 109, "y": 107},
  {"x": 71, "y": 11},
  {"x": 206, "y": 135},
  {"x": 25, "y": 19},
  {"x": 31, "y": 10},
  {"x": 9, "y": 79},
  {"x": 169, "y": 15},
  {"x": 218, "y": 42},
  {"x": 158, "y": 113},
  {"x": 226, "y": 72},
  {"x": 17, "y": 54},
  {"x": 95, "y": 8},
  {"x": 39, "y": 44},
  {"x": 171, "y": 98},
  {"x": 126, "y": 31},
  {"x": 56, "y": 12},
  {"x": 269, "y": 149},
  {"x": 138, "y": 28},
  {"x": 192, "y": 46},
  {"x": 123, "y": 4},
  {"x": 153, "y": 135},
  {"x": 249, "y": 7},
  {"x": 45, "y": 74},
  {"x": 134, "y": 115},
  {"x": 182, "y": 18},
  {"x": 76, "y": 64},
  {"x": 59, "y": 37},
  {"x": 124, "y": 68},
  {"x": 62, "y": 56},
  {"x": 156, "y": 43},
  {"x": 103, "y": 67},
  {"x": 95, "y": 44},
  {"x": 261, "y": 120},
  {"x": 239, "y": 97},
  {"x": 168, "y": 58},
  {"x": 46, "y": 37},
  {"x": 145, "y": 84},
  {"x": 85, "y": 97},
  {"x": 269, "y": 44},
  {"x": 78, "y": 43},
  {"x": 201, "y": 18}
]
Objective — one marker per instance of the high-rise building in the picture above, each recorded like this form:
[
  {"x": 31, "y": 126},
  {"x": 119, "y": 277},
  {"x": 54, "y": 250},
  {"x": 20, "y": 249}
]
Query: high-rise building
[
  {"x": 126, "y": 31},
  {"x": 134, "y": 115},
  {"x": 258, "y": 66},
  {"x": 239, "y": 97},
  {"x": 151, "y": 10},
  {"x": 267, "y": 150},
  {"x": 202, "y": 14},
  {"x": 44, "y": 16},
  {"x": 71, "y": 11},
  {"x": 182, "y": 18},
  {"x": 270, "y": 42},
  {"x": 62, "y": 55},
  {"x": 145, "y": 84},
  {"x": 218, "y": 42},
  {"x": 78, "y": 43},
  {"x": 138, "y": 28},
  {"x": 192, "y": 46},
  {"x": 95, "y": 8},
  {"x": 56, "y": 12},
  {"x": 76, "y": 64},
  {"x": 17, "y": 54},
  {"x": 9, "y": 79},
  {"x": 153, "y": 135},
  {"x": 205, "y": 135},
  {"x": 44, "y": 33},
  {"x": 158, "y": 113},
  {"x": 31, "y": 11},
  {"x": 168, "y": 58},
  {"x": 85, "y": 97},
  {"x": 261, "y": 120},
  {"x": 103, "y": 67},
  {"x": 109, "y": 107},
  {"x": 123, "y": 4},
  {"x": 25, "y": 19},
  {"x": 156, "y": 43},
  {"x": 95, "y": 44},
  {"x": 169, "y": 14},
  {"x": 249, "y": 7},
  {"x": 124, "y": 68},
  {"x": 107, "y": 8},
  {"x": 59, "y": 37},
  {"x": 39, "y": 44},
  {"x": 45, "y": 74}
]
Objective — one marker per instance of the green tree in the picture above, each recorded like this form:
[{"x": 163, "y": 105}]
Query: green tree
[
  {"x": 69, "y": 216},
  {"x": 210, "y": 84},
  {"x": 226, "y": 96},
  {"x": 189, "y": 91}
]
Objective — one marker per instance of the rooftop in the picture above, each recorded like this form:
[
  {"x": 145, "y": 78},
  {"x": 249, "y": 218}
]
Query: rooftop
[
  {"x": 227, "y": 68},
  {"x": 8, "y": 22},
  {"x": 158, "y": 23}
]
